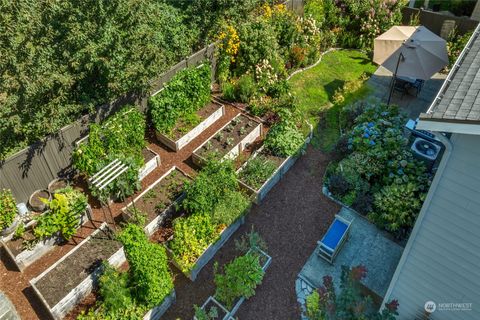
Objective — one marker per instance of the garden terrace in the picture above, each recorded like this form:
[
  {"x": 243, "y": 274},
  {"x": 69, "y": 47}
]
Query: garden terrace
[
  {"x": 229, "y": 141},
  {"x": 158, "y": 200},
  {"x": 184, "y": 132}
]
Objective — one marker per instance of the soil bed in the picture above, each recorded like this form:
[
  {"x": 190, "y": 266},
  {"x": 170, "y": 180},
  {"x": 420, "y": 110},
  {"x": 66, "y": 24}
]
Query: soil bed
[
  {"x": 57, "y": 184},
  {"x": 276, "y": 160},
  {"x": 17, "y": 245},
  {"x": 182, "y": 127},
  {"x": 148, "y": 154},
  {"x": 67, "y": 275},
  {"x": 163, "y": 194},
  {"x": 165, "y": 232},
  {"x": 226, "y": 139}
]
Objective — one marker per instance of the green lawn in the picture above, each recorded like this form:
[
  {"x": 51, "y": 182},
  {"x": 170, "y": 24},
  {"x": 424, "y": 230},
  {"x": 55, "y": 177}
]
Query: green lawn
[{"x": 315, "y": 87}]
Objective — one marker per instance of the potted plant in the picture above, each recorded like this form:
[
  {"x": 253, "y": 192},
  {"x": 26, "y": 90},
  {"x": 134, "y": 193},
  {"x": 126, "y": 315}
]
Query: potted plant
[{"x": 8, "y": 213}]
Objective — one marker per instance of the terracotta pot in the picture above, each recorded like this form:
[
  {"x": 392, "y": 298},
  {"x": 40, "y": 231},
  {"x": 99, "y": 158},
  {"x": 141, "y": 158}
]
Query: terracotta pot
[
  {"x": 34, "y": 201},
  {"x": 58, "y": 183}
]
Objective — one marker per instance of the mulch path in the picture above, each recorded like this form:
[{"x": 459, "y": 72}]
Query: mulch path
[{"x": 292, "y": 218}]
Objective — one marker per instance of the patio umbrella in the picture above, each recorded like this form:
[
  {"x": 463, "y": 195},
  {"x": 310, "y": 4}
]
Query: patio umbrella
[{"x": 411, "y": 52}]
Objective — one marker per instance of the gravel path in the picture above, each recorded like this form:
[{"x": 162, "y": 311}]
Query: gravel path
[{"x": 291, "y": 219}]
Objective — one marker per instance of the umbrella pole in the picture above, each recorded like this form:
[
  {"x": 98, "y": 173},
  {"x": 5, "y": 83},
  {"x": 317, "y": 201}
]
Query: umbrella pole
[{"x": 392, "y": 84}]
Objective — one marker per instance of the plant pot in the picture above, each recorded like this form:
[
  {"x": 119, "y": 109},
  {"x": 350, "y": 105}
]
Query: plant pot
[
  {"x": 34, "y": 201},
  {"x": 11, "y": 229},
  {"x": 56, "y": 184}
]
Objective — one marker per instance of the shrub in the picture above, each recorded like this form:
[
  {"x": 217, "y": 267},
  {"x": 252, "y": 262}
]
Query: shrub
[
  {"x": 228, "y": 91},
  {"x": 210, "y": 186},
  {"x": 396, "y": 207},
  {"x": 349, "y": 303},
  {"x": 8, "y": 208},
  {"x": 114, "y": 290},
  {"x": 232, "y": 206},
  {"x": 284, "y": 139},
  {"x": 119, "y": 137},
  {"x": 240, "y": 278},
  {"x": 257, "y": 171},
  {"x": 186, "y": 93},
  {"x": 338, "y": 185},
  {"x": 250, "y": 240},
  {"x": 192, "y": 235},
  {"x": 455, "y": 45},
  {"x": 150, "y": 277},
  {"x": 245, "y": 88},
  {"x": 279, "y": 89},
  {"x": 363, "y": 202},
  {"x": 63, "y": 216},
  {"x": 201, "y": 314}
]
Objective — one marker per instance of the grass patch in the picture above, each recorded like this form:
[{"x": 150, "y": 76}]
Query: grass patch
[{"x": 315, "y": 88}]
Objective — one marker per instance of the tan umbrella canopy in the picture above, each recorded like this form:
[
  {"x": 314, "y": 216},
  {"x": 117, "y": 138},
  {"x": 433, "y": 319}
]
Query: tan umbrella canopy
[{"x": 413, "y": 52}]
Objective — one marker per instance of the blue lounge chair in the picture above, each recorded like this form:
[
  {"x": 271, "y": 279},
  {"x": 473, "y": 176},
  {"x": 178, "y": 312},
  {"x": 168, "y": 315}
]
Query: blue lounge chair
[{"x": 333, "y": 240}]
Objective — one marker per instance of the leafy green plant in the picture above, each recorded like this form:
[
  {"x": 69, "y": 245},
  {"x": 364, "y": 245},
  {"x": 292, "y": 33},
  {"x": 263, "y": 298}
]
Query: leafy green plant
[
  {"x": 119, "y": 137},
  {"x": 114, "y": 289},
  {"x": 396, "y": 207},
  {"x": 192, "y": 235},
  {"x": 201, "y": 314},
  {"x": 210, "y": 185},
  {"x": 240, "y": 278},
  {"x": 284, "y": 139},
  {"x": 228, "y": 209},
  {"x": 257, "y": 171},
  {"x": 181, "y": 98},
  {"x": 150, "y": 278},
  {"x": 8, "y": 208},
  {"x": 63, "y": 216},
  {"x": 250, "y": 240}
]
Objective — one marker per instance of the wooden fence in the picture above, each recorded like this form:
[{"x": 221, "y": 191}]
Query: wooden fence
[
  {"x": 35, "y": 166},
  {"x": 440, "y": 24}
]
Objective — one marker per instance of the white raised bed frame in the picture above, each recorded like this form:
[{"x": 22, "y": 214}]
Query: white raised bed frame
[
  {"x": 195, "y": 132},
  {"x": 77, "y": 294}
]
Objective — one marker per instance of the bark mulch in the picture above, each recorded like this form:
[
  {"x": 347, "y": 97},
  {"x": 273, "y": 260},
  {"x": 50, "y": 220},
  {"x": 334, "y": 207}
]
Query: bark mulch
[{"x": 291, "y": 219}]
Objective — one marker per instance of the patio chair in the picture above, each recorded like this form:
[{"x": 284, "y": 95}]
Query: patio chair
[{"x": 334, "y": 239}]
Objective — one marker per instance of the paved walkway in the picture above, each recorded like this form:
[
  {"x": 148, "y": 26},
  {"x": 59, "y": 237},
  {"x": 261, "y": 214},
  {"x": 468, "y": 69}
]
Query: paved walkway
[
  {"x": 367, "y": 246},
  {"x": 413, "y": 106}
]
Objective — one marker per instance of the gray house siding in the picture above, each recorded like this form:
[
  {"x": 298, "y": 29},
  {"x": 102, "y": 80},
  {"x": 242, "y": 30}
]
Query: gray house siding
[{"x": 441, "y": 262}]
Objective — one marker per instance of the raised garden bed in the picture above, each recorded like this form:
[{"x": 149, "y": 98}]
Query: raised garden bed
[
  {"x": 158, "y": 201},
  {"x": 152, "y": 161},
  {"x": 180, "y": 135},
  {"x": 22, "y": 254},
  {"x": 211, "y": 250},
  {"x": 283, "y": 165},
  {"x": 229, "y": 141},
  {"x": 223, "y": 312},
  {"x": 70, "y": 279},
  {"x": 157, "y": 312}
]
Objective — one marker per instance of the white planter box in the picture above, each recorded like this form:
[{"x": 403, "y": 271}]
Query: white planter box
[
  {"x": 25, "y": 258},
  {"x": 67, "y": 303},
  {"x": 157, "y": 312},
  {"x": 260, "y": 194},
  {"x": 155, "y": 224},
  {"x": 236, "y": 149},
  {"x": 231, "y": 313},
  {"x": 149, "y": 166},
  {"x": 211, "y": 250},
  {"x": 195, "y": 132}
]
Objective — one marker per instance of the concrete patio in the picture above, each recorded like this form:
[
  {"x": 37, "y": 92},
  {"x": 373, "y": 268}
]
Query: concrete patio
[
  {"x": 412, "y": 105},
  {"x": 367, "y": 246}
]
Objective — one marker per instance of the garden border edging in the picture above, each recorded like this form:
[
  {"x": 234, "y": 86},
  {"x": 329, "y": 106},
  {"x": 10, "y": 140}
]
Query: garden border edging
[{"x": 177, "y": 145}]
